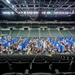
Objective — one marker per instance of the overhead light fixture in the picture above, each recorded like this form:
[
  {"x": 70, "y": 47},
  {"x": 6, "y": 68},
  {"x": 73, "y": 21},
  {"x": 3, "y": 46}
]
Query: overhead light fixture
[
  {"x": 28, "y": 12},
  {"x": 62, "y": 13},
  {"x": 8, "y": 1},
  {"x": 73, "y": 11},
  {"x": 32, "y": 12},
  {"x": 35, "y": 12},
  {"x": 48, "y": 12},
  {"x": 24, "y": 12},
  {"x": 66, "y": 12},
  {"x": 55, "y": 12},
  {"x": 43, "y": 12},
  {"x": 12, "y": 12},
  {"x": 7, "y": 13}
]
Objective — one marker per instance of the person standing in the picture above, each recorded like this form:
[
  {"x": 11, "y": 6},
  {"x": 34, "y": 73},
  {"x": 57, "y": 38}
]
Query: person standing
[
  {"x": 8, "y": 45},
  {"x": 0, "y": 47}
]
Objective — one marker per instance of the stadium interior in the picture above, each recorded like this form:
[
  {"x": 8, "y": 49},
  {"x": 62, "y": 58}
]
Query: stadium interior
[{"x": 37, "y": 37}]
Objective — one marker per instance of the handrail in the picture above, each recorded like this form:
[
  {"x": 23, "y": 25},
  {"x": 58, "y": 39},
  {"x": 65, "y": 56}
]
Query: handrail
[{"x": 39, "y": 22}]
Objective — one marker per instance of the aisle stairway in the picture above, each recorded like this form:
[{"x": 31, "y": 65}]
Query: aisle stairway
[
  {"x": 61, "y": 33},
  {"x": 72, "y": 31},
  {"x": 14, "y": 33},
  {"x": 23, "y": 33},
  {"x": 18, "y": 33},
  {"x": 44, "y": 33},
  {"x": 34, "y": 33},
  {"x": 50, "y": 33},
  {"x": 65, "y": 33},
  {"x": 55, "y": 33}
]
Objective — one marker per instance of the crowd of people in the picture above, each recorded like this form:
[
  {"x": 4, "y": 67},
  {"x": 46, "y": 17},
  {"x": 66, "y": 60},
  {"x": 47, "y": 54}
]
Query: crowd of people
[{"x": 37, "y": 46}]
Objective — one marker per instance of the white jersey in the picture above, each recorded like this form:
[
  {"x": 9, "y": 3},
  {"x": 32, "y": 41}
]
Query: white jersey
[
  {"x": 9, "y": 44},
  {"x": 19, "y": 47},
  {"x": 74, "y": 44}
]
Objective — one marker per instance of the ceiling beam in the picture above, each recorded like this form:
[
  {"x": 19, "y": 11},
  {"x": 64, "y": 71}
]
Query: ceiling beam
[
  {"x": 34, "y": 3},
  {"x": 49, "y": 3},
  {"x": 61, "y": 22},
  {"x": 55, "y": 3},
  {"x": 17, "y": 4},
  {"x": 26, "y": 4},
  {"x": 10, "y": 7},
  {"x": 61, "y": 5},
  {"x": 38, "y": 4},
  {"x": 69, "y": 6},
  {"x": 32, "y": 8},
  {"x": 44, "y": 8}
]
